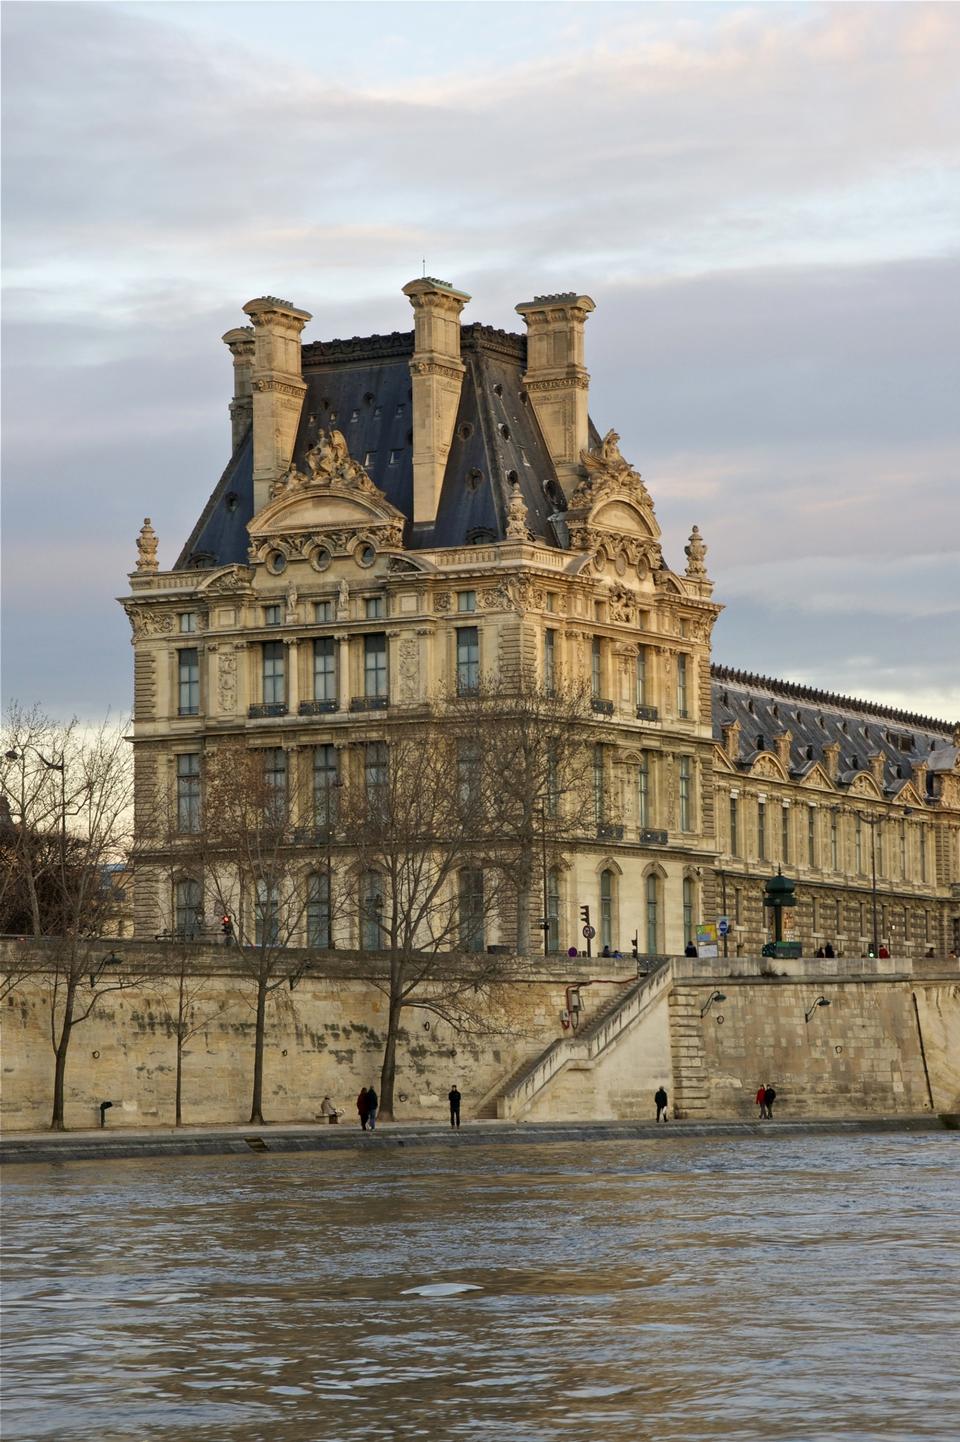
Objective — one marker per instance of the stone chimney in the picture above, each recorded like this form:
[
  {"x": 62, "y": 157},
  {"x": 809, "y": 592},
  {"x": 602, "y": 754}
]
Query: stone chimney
[
  {"x": 731, "y": 739},
  {"x": 782, "y": 740},
  {"x": 240, "y": 342},
  {"x": 437, "y": 374},
  {"x": 278, "y": 389},
  {"x": 831, "y": 759},
  {"x": 557, "y": 380},
  {"x": 876, "y": 766}
]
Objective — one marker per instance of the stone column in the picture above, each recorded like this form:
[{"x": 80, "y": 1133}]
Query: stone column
[
  {"x": 437, "y": 373},
  {"x": 293, "y": 678},
  {"x": 278, "y": 389},
  {"x": 343, "y": 672},
  {"x": 556, "y": 378},
  {"x": 241, "y": 344}
]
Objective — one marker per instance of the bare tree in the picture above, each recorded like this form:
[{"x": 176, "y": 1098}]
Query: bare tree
[
  {"x": 544, "y": 781},
  {"x": 189, "y": 1011},
  {"x": 257, "y": 854},
  {"x": 69, "y": 793},
  {"x": 426, "y": 883}
]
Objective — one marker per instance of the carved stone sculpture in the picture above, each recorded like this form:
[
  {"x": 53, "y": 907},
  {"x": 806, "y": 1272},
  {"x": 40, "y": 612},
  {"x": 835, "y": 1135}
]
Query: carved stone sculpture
[
  {"x": 517, "y": 529},
  {"x": 147, "y": 547},
  {"x": 696, "y": 553}
]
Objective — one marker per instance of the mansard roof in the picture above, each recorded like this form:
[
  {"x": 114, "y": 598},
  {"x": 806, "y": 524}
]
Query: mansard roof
[
  {"x": 362, "y": 387},
  {"x": 765, "y": 708}
]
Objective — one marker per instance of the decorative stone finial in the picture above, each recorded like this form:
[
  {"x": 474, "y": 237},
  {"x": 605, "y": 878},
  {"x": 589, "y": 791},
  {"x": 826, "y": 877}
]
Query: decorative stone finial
[
  {"x": 696, "y": 554},
  {"x": 147, "y": 547},
  {"x": 517, "y": 529}
]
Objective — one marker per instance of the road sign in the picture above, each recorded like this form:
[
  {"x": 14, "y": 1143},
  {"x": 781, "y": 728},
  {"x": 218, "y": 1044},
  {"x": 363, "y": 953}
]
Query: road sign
[
  {"x": 723, "y": 926},
  {"x": 589, "y": 932}
]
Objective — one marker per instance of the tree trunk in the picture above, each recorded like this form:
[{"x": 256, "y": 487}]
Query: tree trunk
[
  {"x": 178, "y": 1114},
  {"x": 256, "y": 1108},
  {"x": 388, "y": 1072},
  {"x": 60, "y": 1053}
]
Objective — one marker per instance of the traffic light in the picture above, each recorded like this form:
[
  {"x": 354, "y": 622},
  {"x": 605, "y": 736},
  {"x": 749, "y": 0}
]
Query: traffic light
[{"x": 585, "y": 915}]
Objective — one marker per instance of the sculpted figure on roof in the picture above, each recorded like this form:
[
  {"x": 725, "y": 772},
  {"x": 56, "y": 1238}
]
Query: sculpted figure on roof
[
  {"x": 608, "y": 471},
  {"x": 328, "y": 463}
]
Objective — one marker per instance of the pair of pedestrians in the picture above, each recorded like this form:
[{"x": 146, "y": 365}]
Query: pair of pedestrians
[
  {"x": 367, "y": 1104},
  {"x": 765, "y": 1098}
]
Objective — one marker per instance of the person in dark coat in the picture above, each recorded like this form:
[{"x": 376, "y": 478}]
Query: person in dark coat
[
  {"x": 373, "y": 1101},
  {"x": 769, "y": 1097},
  {"x": 454, "y": 1098},
  {"x": 660, "y": 1097},
  {"x": 362, "y": 1108},
  {"x": 828, "y": 949},
  {"x": 689, "y": 949}
]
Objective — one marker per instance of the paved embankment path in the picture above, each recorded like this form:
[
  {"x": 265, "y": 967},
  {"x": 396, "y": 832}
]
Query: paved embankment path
[{"x": 84, "y": 1146}]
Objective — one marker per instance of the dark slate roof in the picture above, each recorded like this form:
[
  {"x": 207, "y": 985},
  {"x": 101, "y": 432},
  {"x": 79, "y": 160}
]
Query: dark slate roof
[
  {"x": 362, "y": 387},
  {"x": 765, "y": 707},
  {"x": 220, "y": 536}
]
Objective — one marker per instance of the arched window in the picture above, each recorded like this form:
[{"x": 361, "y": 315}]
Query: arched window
[
  {"x": 318, "y": 909},
  {"x": 553, "y": 909},
  {"x": 267, "y": 913},
  {"x": 470, "y": 883},
  {"x": 187, "y": 907},
  {"x": 371, "y": 911},
  {"x": 606, "y": 908},
  {"x": 688, "y": 910},
  {"x": 653, "y": 913}
]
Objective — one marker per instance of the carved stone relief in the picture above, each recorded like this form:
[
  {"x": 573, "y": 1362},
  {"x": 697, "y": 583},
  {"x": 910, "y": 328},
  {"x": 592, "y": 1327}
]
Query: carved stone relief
[{"x": 409, "y": 667}]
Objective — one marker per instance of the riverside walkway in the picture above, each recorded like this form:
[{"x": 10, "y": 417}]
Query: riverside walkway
[{"x": 288, "y": 1137}]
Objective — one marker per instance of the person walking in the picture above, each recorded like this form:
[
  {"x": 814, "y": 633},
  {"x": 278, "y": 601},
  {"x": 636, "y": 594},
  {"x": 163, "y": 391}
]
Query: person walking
[
  {"x": 761, "y": 1101},
  {"x": 769, "y": 1097},
  {"x": 373, "y": 1101},
  {"x": 363, "y": 1108},
  {"x": 660, "y": 1097},
  {"x": 454, "y": 1098}
]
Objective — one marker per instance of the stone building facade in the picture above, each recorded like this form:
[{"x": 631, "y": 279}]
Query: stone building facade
[{"x": 403, "y": 514}]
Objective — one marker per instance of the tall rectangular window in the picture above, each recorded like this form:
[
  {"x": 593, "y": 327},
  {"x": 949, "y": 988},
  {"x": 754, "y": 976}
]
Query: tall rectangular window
[
  {"x": 275, "y": 777},
  {"x": 318, "y": 909},
  {"x": 470, "y": 883},
  {"x": 834, "y": 842},
  {"x": 762, "y": 830},
  {"x": 325, "y": 782},
  {"x": 274, "y": 673},
  {"x": 606, "y": 908},
  {"x": 652, "y": 889},
  {"x": 466, "y": 600},
  {"x": 371, "y": 911},
  {"x": 468, "y": 659},
  {"x": 734, "y": 828},
  {"x": 550, "y": 661},
  {"x": 188, "y": 622},
  {"x": 858, "y": 844},
  {"x": 688, "y": 908},
  {"x": 188, "y": 682},
  {"x": 903, "y": 849},
  {"x": 877, "y": 833},
  {"x": 188, "y": 792},
  {"x": 188, "y": 908},
  {"x": 641, "y": 676},
  {"x": 267, "y": 914},
  {"x": 373, "y": 608},
  {"x": 785, "y": 833},
  {"x": 272, "y": 615},
  {"x": 325, "y": 669},
  {"x": 598, "y": 783},
  {"x": 323, "y": 611},
  {"x": 686, "y": 786},
  {"x": 375, "y": 665},
  {"x": 923, "y": 853},
  {"x": 811, "y": 836},
  {"x": 552, "y": 799},
  {"x": 643, "y": 790},
  {"x": 375, "y": 770},
  {"x": 596, "y": 666},
  {"x": 553, "y": 910},
  {"x": 683, "y": 698}
]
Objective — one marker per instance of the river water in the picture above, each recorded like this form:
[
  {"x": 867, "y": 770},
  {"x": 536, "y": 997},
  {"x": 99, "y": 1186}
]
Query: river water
[{"x": 768, "y": 1288}]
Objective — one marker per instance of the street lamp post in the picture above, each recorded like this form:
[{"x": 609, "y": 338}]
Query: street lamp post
[
  {"x": 60, "y": 766},
  {"x": 545, "y": 924}
]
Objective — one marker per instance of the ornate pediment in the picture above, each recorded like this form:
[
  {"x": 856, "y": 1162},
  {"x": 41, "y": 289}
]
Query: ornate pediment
[
  {"x": 865, "y": 786},
  {"x": 611, "y": 513},
  {"x": 768, "y": 766},
  {"x": 332, "y": 502}
]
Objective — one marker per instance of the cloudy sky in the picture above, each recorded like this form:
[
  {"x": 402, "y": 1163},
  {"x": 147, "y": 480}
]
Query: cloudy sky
[{"x": 762, "y": 200}]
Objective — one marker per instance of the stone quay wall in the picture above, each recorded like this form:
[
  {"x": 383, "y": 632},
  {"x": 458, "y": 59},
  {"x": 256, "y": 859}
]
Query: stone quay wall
[{"x": 888, "y": 1043}]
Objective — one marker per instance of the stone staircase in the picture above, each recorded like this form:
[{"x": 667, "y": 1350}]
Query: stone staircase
[
  {"x": 514, "y": 1096},
  {"x": 690, "y": 1090}
]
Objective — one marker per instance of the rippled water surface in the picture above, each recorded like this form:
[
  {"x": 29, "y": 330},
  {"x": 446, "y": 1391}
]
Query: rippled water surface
[{"x": 757, "y": 1289}]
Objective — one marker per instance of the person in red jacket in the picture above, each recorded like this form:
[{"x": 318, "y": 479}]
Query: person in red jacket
[{"x": 761, "y": 1101}]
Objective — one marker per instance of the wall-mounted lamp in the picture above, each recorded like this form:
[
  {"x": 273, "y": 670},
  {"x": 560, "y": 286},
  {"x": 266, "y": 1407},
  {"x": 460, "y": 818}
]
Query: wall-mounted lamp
[
  {"x": 820, "y": 1001},
  {"x": 111, "y": 960},
  {"x": 714, "y": 996}
]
